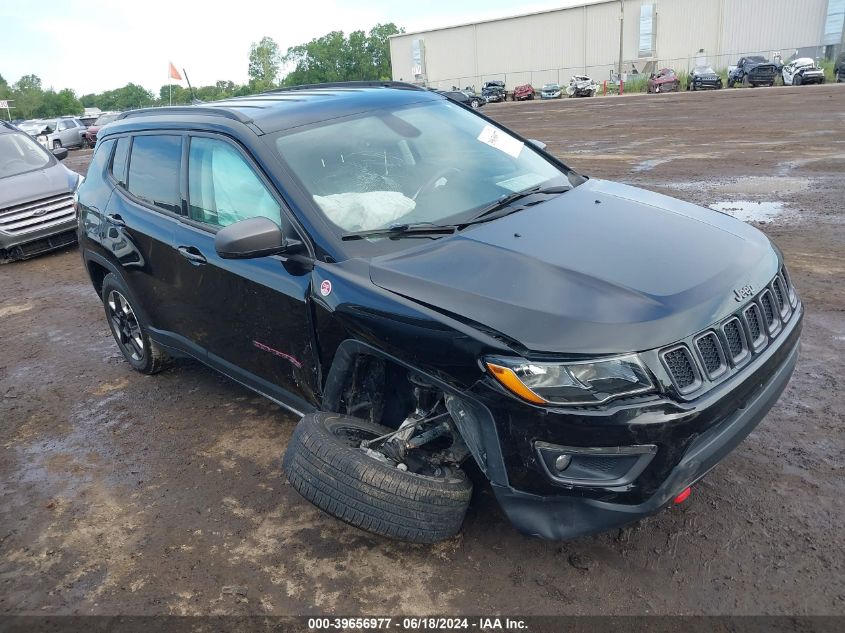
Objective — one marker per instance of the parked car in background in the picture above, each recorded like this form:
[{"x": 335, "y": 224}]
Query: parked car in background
[
  {"x": 525, "y": 92},
  {"x": 753, "y": 70},
  {"x": 704, "y": 78},
  {"x": 664, "y": 80},
  {"x": 494, "y": 91},
  {"x": 36, "y": 197},
  {"x": 62, "y": 132},
  {"x": 425, "y": 289},
  {"x": 461, "y": 96},
  {"x": 91, "y": 132},
  {"x": 803, "y": 70},
  {"x": 550, "y": 91},
  {"x": 839, "y": 68},
  {"x": 582, "y": 86}
]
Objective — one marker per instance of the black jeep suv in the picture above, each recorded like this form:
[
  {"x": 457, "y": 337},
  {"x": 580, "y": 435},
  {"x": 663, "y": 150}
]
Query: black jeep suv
[{"x": 426, "y": 288}]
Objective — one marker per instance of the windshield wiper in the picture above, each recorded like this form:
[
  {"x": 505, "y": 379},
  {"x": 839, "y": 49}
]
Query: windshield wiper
[
  {"x": 491, "y": 212},
  {"x": 397, "y": 231}
]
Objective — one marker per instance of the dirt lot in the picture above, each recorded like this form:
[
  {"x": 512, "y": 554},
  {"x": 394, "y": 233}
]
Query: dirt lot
[{"x": 127, "y": 494}]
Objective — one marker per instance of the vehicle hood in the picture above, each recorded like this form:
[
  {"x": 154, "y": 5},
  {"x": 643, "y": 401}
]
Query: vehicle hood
[
  {"x": 51, "y": 181},
  {"x": 604, "y": 268}
]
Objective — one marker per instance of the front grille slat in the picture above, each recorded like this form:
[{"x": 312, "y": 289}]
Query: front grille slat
[
  {"x": 7, "y": 216},
  {"x": 710, "y": 354},
  {"x": 735, "y": 337},
  {"x": 681, "y": 368},
  {"x": 21, "y": 226}
]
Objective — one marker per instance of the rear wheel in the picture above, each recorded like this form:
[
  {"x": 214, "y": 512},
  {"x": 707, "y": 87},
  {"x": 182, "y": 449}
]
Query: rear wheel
[
  {"x": 420, "y": 502},
  {"x": 129, "y": 331}
]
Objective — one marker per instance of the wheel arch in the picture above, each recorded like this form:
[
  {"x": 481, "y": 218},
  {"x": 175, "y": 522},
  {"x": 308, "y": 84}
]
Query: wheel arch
[{"x": 471, "y": 416}]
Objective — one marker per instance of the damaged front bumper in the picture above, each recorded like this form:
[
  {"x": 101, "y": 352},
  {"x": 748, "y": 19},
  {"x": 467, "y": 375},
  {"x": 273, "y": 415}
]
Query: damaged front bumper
[{"x": 658, "y": 447}]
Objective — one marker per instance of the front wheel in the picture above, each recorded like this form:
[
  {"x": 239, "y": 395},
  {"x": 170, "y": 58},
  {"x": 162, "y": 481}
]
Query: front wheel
[
  {"x": 325, "y": 463},
  {"x": 475, "y": 103},
  {"x": 797, "y": 80},
  {"x": 128, "y": 329},
  {"x": 838, "y": 77},
  {"x": 57, "y": 144}
]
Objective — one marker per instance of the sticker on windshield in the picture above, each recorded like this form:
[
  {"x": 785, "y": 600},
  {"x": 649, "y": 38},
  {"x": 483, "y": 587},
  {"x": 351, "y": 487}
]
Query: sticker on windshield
[
  {"x": 522, "y": 182},
  {"x": 500, "y": 140}
]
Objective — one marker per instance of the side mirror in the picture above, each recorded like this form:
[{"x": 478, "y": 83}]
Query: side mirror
[
  {"x": 60, "y": 153},
  {"x": 250, "y": 238},
  {"x": 537, "y": 144}
]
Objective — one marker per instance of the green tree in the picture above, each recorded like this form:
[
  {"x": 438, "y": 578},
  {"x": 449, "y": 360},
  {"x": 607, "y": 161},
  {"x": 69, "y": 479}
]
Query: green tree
[
  {"x": 264, "y": 60},
  {"x": 58, "y": 104},
  {"x": 335, "y": 57},
  {"x": 28, "y": 96}
]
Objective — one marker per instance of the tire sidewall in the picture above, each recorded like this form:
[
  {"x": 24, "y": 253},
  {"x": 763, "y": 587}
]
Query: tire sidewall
[{"x": 113, "y": 282}]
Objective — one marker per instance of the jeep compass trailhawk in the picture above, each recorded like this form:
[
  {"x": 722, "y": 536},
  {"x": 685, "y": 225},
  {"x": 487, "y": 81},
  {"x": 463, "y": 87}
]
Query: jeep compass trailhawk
[{"x": 425, "y": 288}]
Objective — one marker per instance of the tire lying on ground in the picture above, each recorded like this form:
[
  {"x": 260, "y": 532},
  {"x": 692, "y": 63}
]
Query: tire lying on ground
[{"x": 324, "y": 463}]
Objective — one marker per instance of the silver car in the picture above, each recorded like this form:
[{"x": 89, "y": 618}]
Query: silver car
[
  {"x": 37, "y": 211},
  {"x": 62, "y": 132}
]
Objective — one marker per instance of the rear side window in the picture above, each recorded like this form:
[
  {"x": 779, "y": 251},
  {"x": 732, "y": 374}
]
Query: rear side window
[
  {"x": 118, "y": 164},
  {"x": 100, "y": 158},
  {"x": 154, "y": 168}
]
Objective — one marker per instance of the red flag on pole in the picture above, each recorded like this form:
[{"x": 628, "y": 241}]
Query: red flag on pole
[{"x": 174, "y": 74}]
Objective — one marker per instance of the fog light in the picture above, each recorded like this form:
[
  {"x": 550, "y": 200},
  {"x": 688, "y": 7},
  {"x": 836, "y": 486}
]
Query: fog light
[
  {"x": 683, "y": 496},
  {"x": 562, "y": 462}
]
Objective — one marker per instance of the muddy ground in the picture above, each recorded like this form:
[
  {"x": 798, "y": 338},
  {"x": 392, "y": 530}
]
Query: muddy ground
[{"x": 124, "y": 494}]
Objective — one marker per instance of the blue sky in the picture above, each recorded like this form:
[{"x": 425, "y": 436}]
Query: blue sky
[{"x": 95, "y": 45}]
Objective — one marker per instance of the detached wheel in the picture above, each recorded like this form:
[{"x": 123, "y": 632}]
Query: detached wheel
[
  {"x": 325, "y": 464},
  {"x": 130, "y": 333}
]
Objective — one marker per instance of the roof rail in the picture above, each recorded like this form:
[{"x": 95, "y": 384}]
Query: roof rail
[
  {"x": 206, "y": 111},
  {"x": 401, "y": 85}
]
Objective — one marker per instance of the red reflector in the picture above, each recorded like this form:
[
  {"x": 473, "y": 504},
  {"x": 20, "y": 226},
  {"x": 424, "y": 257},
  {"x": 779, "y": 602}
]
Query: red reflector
[{"x": 683, "y": 496}]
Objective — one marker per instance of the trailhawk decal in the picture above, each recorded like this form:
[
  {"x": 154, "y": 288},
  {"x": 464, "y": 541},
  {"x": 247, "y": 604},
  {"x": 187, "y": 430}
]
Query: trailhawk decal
[{"x": 292, "y": 359}]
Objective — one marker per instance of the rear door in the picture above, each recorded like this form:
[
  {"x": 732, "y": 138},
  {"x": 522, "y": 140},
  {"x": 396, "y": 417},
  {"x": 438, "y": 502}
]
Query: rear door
[
  {"x": 252, "y": 315},
  {"x": 140, "y": 220}
]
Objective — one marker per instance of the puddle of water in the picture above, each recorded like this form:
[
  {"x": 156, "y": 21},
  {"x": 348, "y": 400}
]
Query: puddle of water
[
  {"x": 648, "y": 165},
  {"x": 749, "y": 210}
]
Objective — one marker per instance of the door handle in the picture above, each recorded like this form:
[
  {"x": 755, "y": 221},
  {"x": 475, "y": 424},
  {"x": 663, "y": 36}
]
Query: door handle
[
  {"x": 192, "y": 254},
  {"x": 115, "y": 219}
]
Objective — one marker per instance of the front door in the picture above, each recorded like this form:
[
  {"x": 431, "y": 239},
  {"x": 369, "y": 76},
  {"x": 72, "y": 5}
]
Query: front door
[{"x": 251, "y": 316}]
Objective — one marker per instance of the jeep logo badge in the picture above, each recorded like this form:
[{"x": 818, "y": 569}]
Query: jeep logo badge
[{"x": 744, "y": 292}]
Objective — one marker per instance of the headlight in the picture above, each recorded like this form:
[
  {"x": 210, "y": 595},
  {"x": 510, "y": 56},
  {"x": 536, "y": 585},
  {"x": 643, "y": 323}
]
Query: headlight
[{"x": 577, "y": 383}]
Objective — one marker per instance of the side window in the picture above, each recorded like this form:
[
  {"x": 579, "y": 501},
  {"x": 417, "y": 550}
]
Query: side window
[
  {"x": 100, "y": 158},
  {"x": 118, "y": 163},
  {"x": 64, "y": 124},
  {"x": 223, "y": 188},
  {"x": 154, "y": 168}
]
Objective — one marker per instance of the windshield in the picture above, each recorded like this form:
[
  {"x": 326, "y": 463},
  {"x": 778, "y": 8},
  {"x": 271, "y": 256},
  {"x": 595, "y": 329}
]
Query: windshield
[
  {"x": 428, "y": 163},
  {"x": 704, "y": 70},
  {"x": 756, "y": 58},
  {"x": 105, "y": 118},
  {"x": 20, "y": 154},
  {"x": 551, "y": 87}
]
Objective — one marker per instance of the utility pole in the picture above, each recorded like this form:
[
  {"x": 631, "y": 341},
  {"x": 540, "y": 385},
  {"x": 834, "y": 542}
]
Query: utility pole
[{"x": 621, "y": 36}]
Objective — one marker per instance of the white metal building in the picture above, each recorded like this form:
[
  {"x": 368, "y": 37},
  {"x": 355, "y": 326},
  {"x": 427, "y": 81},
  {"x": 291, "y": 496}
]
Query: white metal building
[{"x": 551, "y": 46}]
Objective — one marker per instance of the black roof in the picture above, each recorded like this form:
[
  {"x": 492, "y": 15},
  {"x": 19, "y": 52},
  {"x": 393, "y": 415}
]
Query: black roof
[{"x": 292, "y": 107}]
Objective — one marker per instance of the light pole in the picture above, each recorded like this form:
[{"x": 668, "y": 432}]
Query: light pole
[{"x": 621, "y": 35}]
